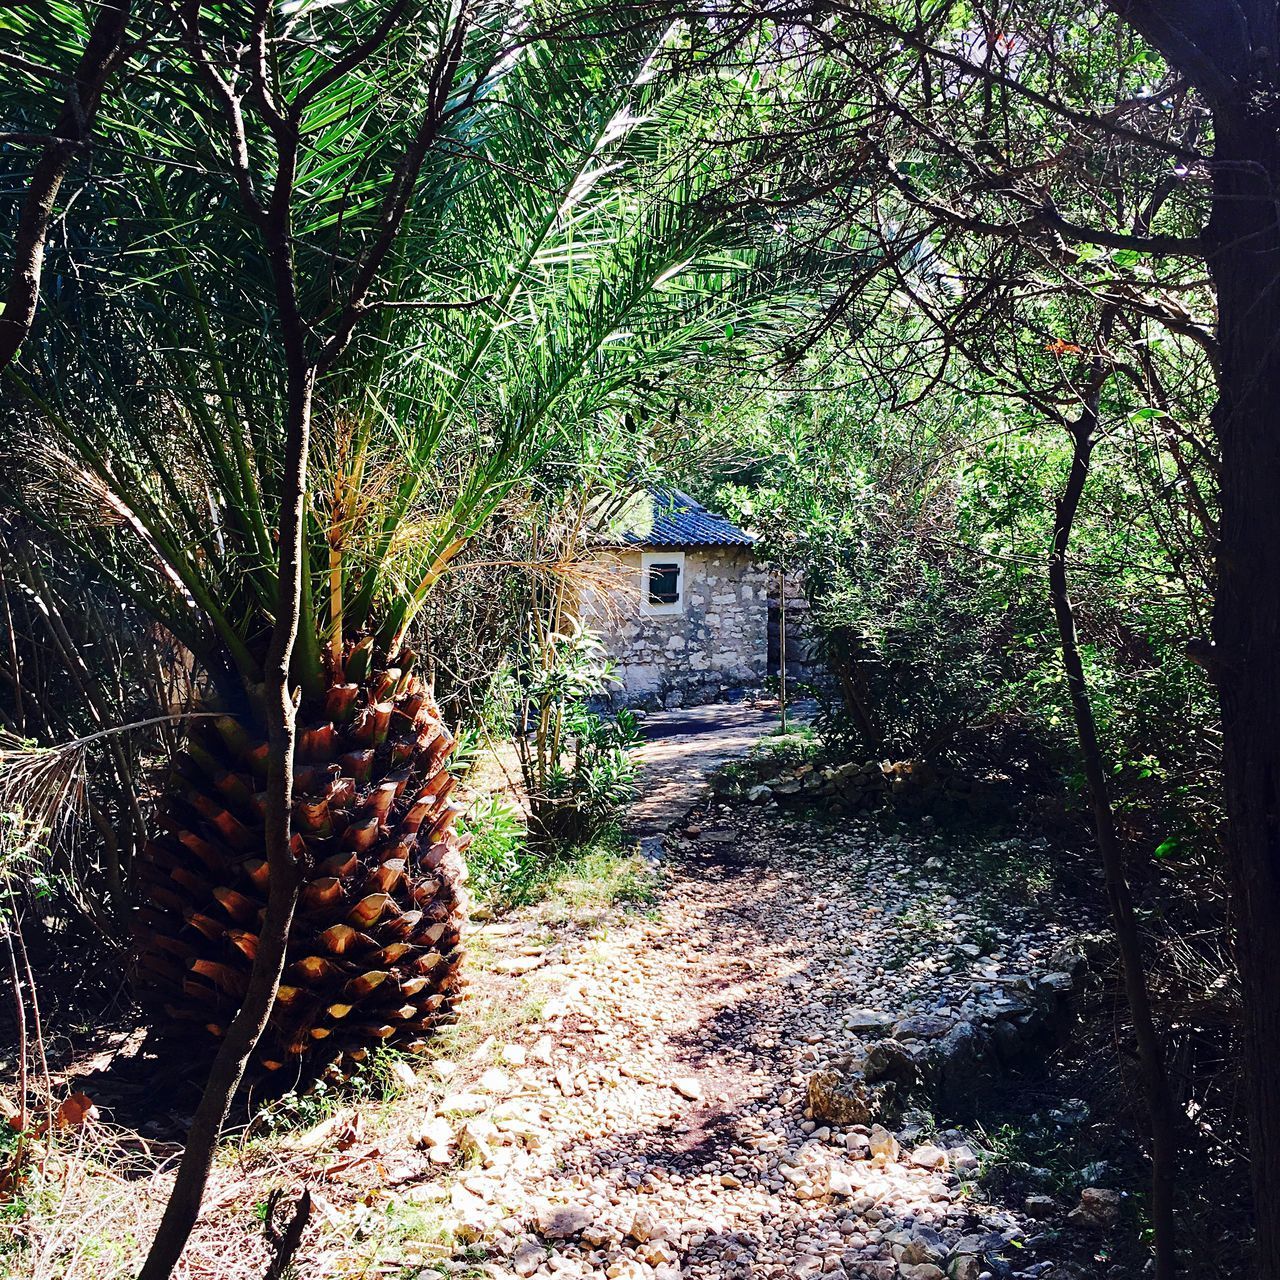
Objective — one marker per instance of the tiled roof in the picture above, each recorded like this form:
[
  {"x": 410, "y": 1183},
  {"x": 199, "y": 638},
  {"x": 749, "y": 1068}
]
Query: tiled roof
[{"x": 679, "y": 521}]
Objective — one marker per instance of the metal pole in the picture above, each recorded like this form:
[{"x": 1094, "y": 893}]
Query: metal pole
[{"x": 782, "y": 645}]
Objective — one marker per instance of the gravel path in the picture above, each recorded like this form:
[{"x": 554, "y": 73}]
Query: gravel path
[{"x": 649, "y": 1121}]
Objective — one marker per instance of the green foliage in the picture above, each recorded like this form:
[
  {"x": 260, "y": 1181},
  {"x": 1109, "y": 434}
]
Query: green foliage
[
  {"x": 586, "y": 882},
  {"x": 565, "y": 245},
  {"x": 922, "y": 542},
  {"x": 577, "y": 766},
  {"x": 375, "y": 1079},
  {"x": 498, "y": 857},
  {"x": 796, "y": 746}
]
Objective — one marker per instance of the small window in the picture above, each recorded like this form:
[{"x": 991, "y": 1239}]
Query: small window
[
  {"x": 664, "y": 583},
  {"x": 661, "y": 583}
]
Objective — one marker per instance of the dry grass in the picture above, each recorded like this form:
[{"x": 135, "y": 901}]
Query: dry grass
[
  {"x": 89, "y": 1202},
  {"x": 84, "y": 1206}
]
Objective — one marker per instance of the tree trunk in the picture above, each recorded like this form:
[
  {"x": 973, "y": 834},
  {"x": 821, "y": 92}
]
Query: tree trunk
[
  {"x": 1164, "y": 1145},
  {"x": 285, "y": 881},
  {"x": 843, "y": 656},
  {"x": 1244, "y": 258}
]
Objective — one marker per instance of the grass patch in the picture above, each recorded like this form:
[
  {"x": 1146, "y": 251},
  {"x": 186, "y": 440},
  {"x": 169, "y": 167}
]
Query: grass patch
[
  {"x": 481, "y": 1020},
  {"x": 586, "y": 886},
  {"x": 1002, "y": 872},
  {"x": 379, "y": 1078},
  {"x": 799, "y": 745},
  {"x": 506, "y": 874}
]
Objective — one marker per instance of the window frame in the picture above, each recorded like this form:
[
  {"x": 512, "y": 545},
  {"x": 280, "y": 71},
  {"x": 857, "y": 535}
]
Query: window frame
[{"x": 655, "y": 609}]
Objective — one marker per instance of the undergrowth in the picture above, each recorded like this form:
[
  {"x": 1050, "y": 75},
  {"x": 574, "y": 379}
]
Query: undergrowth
[
  {"x": 382, "y": 1077},
  {"x": 506, "y": 874}
]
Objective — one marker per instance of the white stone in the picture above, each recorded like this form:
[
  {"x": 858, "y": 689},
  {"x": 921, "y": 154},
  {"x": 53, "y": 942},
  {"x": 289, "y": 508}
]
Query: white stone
[
  {"x": 559, "y": 1221},
  {"x": 882, "y": 1143},
  {"x": 929, "y": 1157}
]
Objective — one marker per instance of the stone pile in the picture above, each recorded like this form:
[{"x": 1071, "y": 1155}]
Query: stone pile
[
  {"x": 861, "y": 788},
  {"x": 942, "y": 1063}
]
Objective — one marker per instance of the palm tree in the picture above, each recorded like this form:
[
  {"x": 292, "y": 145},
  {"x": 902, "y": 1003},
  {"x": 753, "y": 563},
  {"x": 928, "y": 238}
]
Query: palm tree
[{"x": 557, "y": 243}]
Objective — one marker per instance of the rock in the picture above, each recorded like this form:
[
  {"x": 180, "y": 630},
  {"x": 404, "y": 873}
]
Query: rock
[
  {"x": 924, "y": 1245},
  {"x": 514, "y": 1054},
  {"x": 597, "y": 1235},
  {"x": 730, "y": 1181},
  {"x": 964, "y": 1267},
  {"x": 461, "y": 1104},
  {"x": 435, "y": 1132},
  {"x": 527, "y": 1258},
  {"x": 857, "y": 1143},
  {"x": 560, "y": 1221},
  {"x": 403, "y": 1074},
  {"x": 883, "y": 1143},
  {"x": 1040, "y": 1206},
  {"x": 921, "y": 1271},
  {"x": 1058, "y": 984},
  {"x": 841, "y": 1095},
  {"x": 495, "y": 1080},
  {"x": 839, "y": 1181},
  {"x": 474, "y": 1140},
  {"x": 627, "y": 1269},
  {"x": 861, "y": 1021},
  {"x": 760, "y": 794},
  {"x": 929, "y": 1157},
  {"x": 469, "y": 1210},
  {"x": 659, "y": 1253},
  {"x": 888, "y": 1060},
  {"x": 923, "y": 1026},
  {"x": 687, "y": 1087},
  {"x": 961, "y": 1066},
  {"x": 645, "y": 1227},
  {"x": 1098, "y": 1207},
  {"x": 875, "y": 1269}
]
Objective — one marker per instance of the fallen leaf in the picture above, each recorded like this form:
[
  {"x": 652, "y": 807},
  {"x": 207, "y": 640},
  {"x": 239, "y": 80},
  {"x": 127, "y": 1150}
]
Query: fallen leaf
[
  {"x": 351, "y": 1133},
  {"x": 12, "y": 1115},
  {"x": 76, "y": 1110},
  {"x": 341, "y": 1166}
]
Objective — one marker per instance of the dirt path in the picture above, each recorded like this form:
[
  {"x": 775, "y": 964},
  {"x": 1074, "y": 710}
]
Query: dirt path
[
  {"x": 623, "y": 1095},
  {"x": 677, "y": 752},
  {"x": 649, "y": 1121},
  {"x": 681, "y": 748}
]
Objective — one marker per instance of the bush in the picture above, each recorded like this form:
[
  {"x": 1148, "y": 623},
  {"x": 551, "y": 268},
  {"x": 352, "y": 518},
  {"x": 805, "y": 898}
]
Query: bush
[{"x": 576, "y": 764}]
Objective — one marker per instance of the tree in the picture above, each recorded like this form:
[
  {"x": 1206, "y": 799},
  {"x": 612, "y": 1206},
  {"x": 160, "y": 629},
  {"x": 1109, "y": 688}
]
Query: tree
[
  {"x": 1231, "y": 54},
  {"x": 441, "y": 241},
  {"x": 1046, "y": 129}
]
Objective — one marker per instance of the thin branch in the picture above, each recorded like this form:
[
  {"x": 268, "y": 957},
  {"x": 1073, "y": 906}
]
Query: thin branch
[{"x": 101, "y": 57}]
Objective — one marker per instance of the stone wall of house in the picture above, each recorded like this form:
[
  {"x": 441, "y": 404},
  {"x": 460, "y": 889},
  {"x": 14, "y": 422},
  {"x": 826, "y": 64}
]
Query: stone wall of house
[{"x": 718, "y": 644}]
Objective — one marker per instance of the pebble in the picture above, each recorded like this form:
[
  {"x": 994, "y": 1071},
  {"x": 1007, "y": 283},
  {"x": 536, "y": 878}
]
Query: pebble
[{"x": 750, "y": 975}]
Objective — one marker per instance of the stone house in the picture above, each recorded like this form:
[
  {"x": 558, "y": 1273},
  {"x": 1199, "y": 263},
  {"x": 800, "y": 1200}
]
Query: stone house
[{"x": 680, "y": 604}]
